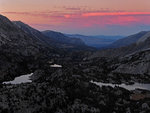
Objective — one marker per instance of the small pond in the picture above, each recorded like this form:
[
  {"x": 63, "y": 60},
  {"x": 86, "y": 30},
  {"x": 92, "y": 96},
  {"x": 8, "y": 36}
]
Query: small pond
[
  {"x": 56, "y": 65},
  {"x": 20, "y": 79},
  {"x": 128, "y": 87}
]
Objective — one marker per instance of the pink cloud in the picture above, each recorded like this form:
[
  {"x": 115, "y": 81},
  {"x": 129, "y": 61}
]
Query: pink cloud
[
  {"x": 85, "y": 18},
  {"x": 114, "y": 13}
]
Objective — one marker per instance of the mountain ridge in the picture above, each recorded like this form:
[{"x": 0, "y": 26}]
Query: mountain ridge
[{"x": 60, "y": 37}]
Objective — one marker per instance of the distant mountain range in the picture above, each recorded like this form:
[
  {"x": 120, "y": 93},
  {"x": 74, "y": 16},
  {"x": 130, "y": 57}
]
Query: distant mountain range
[
  {"x": 129, "y": 45},
  {"x": 104, "y": 42},
  {"x": 99, "y": 41},
  {"x": 52, "y": 38}
]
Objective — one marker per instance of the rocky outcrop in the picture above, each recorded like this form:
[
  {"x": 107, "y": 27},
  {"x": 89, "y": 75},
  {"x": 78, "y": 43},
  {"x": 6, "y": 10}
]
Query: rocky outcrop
[{"x": 136, "y": 64}]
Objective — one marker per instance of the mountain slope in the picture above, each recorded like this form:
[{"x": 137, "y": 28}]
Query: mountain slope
[
  {"x": 33, "y": 32},
  {"x": 128, "y": 40},
  {"x": 143, "y": 38},
  {"x": 12, "y": 36},
  {"x": 19, "y": 51}
]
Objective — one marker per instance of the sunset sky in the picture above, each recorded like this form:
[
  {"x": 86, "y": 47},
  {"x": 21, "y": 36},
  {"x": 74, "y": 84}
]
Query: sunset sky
[{"x": 88, "y": 17}]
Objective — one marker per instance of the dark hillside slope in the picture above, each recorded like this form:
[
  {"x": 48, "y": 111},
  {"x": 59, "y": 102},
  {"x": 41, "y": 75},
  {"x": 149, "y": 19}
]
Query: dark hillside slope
[
  {"x": 34, "y": 33},
  {"x": 18, "y": 50}
]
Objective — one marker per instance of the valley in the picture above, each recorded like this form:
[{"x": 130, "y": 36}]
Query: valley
[{"x": 64, "y": 75}]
